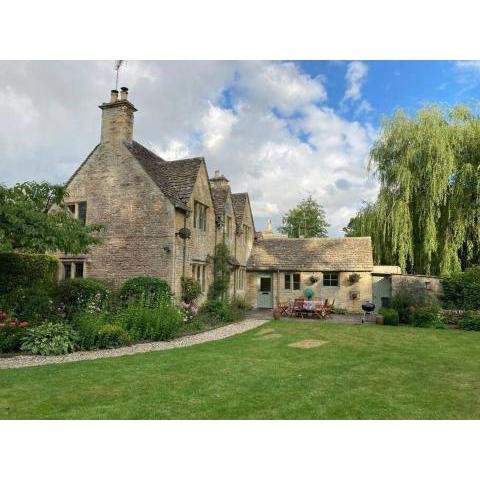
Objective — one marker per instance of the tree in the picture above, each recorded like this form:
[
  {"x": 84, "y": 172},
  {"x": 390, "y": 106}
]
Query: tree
[
  {"x": 427, "y": 215},
  {"x": 33, "y": 218},
  {"x": 306, "y": 220}
]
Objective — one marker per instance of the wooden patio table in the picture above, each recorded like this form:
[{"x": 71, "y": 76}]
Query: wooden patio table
[{"x": 310, "y": 306}]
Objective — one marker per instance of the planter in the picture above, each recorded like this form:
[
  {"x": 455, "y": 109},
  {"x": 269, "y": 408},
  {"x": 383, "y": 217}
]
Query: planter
[{"x": 379, "y": 319}]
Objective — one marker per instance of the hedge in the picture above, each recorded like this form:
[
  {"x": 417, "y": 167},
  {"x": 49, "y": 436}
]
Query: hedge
[
  {"x": 461, "y": 290},
  {"x": 26, "y": 270}
]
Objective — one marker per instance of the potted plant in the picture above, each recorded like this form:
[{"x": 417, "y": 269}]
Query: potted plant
[
  {"x": 309, "y": 293},
  {"x": 313, "y": 280},
  {"x": 354, "y": 278}
]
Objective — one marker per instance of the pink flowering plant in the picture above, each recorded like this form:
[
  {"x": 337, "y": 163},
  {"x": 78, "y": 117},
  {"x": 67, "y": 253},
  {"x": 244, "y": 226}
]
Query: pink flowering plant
[
  {"x": 11, "y": 332},
  {"x": 190, "y": 310}
]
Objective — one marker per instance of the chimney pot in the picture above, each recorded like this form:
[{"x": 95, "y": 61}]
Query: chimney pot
[
  {"x": 114, "y": 96},
  {"x": 216, "y": 174},
  {"x": 124, "y": 93}
]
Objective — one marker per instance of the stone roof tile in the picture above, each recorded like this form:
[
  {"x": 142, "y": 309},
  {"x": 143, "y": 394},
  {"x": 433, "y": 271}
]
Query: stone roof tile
[{"x": 349, "y": 254}]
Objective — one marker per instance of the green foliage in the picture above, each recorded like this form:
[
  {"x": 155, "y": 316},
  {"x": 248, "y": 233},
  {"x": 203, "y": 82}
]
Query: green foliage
[
  {"x": 23, "y": 270},
  {"x": 309, "y": 293},
  {"x": 471, "y": 321},
  {"x": 241, "y": 303},
  {"x": 28, "y": 223},
  {"x": 79, "y": 294},
  {"x": 112, "y": 336},
  {"x": 306, "y": 220},
  {"x": 26, "y": 283},
  {"x": 146, "y": 287},
  {"x": 461, "y": 290},
  {"x": 191, "y": 289},
  {"x": 87, "y": 326},
  {"x": 426, "y": 316},
  {"x": 221, "y": 273},
  {"x": 313, "y": 279},
  {"x": 160, "y": 320},
  {"x": 340, "y": 311},
  {"x": 49, "y": 339},
  {"x": 390, "y": 316},
  {"x": 354, "y": 278},
  {"x": 215, "y": 312},
  {"x": 427, "y": 215},
  {"x": 406, "y": 298}
]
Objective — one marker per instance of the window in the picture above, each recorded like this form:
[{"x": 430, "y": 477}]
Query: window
[
  {"x": 240, "y": 278},
  {"x": 79, "y": 211},
  {"x": 73, "y": 269},
  {"x": 292, "y": 281},
  {"x": 200, "y": 216},
  {"x": 330, "y": 279},
  {"x": 199, "y": 274}
]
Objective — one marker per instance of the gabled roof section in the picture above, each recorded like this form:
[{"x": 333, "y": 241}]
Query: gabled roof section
[
  {"x": 240, "y": 201},
  {"x": 349, "y": 254},
  {"x": 219, "y": 197},
  {"x": 175, "y": 179}
]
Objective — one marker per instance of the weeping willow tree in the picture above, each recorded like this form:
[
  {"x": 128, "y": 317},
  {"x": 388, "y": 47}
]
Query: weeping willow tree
[{"x": 427, "y": 215}]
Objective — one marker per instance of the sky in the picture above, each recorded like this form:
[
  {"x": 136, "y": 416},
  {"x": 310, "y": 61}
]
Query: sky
[{"x": 281, "y": 130}]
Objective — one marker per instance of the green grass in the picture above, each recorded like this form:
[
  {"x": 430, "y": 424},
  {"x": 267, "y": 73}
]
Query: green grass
[{"x": 364, "y": 371}]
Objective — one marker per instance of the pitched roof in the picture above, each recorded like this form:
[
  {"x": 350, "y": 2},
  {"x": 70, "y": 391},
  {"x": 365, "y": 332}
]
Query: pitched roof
[
  {"x": 350, "y": 254},
  {"x": 175, "y": 179},
  {"x": 219, "y": 197},
  {"x": 239, "y": 200}
]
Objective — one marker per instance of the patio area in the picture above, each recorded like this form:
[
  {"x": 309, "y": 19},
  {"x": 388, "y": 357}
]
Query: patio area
[{"x": 349, "y": 318}]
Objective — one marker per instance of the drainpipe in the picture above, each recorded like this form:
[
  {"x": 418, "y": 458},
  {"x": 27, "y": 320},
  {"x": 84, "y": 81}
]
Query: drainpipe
[
  {"x": 235, "y": 255},
  {"x": 174, "y": 254}
]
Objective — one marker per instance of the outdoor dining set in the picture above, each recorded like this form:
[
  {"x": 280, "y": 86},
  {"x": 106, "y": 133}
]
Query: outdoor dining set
[{"x": 299, "y": 307}]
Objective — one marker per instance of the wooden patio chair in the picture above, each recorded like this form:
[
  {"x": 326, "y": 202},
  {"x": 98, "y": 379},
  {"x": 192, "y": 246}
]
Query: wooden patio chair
[
  {"x": 321, "y": 310},
  {"x": 283, "y": 309},
  {"x": 329, "y": 307},
  {"x": 298, "y": 307}
]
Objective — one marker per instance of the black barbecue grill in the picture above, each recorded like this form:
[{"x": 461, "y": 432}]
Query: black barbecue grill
[{"x": 368, "y": 308}]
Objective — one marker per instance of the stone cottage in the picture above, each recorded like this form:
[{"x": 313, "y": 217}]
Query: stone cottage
[
  {"x": 160, "y": 217},
  {"x": 164, "y": 219}
]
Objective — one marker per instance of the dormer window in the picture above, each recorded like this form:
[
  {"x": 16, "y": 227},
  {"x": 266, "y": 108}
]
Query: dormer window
[
  {"x": 228, "y": 232},
  {"x": 247, "y": 234},
  {"x": 78, "y": 211}
]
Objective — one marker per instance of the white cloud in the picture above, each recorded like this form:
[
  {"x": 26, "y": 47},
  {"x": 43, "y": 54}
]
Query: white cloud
[
  {"x": 181, "y": 112},
  {"x": 355, "y": 77}
]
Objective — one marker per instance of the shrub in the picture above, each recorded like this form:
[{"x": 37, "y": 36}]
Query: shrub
[
  {"x": 340, "y": 311},
  {"x": 81, "y": 294},
  {"x": 34, "y": 303},
  {"x": 309, "y": 293},
  {"x": 112, "y": 336},
  {"x": 49, "y": 339},
  {"x": 25, "y": 270},
  {"x": 156, "y": 321},
  {"x": 426, "y": 316},
  {"x": 191, "y": 289},
  {"x": 460, "y": 291},
  {"x": 390, "y": 316},
  {"x": 216, "y": 311},
  {"x": 407, "y": 298},
  {"x": 241, "y": 303},
  {"x": 87, "y": 326},
  {"x": 11, "y": 333},
  {"x": 151, "y": 288},
  {"x": 471, "y": 321}
]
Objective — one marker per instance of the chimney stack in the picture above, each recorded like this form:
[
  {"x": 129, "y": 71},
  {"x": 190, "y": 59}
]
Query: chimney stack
[
  {"x": 117, "y": 119},
  {"x": 219, "y": 180},
  {"x": 124, "y": 94}
]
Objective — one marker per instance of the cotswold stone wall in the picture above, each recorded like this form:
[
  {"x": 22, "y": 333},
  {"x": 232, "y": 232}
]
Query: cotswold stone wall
[
  {"x": 346, "y": 295},
  {"x": 201, "y": 244},
  {"x": 138, "y": 219}
]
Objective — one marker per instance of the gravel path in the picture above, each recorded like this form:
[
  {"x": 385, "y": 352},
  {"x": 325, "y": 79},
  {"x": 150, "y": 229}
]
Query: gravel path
[{"x": 216, "y": 334}]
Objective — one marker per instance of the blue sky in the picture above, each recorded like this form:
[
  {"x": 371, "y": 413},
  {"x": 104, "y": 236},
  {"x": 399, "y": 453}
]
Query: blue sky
[{"x": 280, "y": 130}]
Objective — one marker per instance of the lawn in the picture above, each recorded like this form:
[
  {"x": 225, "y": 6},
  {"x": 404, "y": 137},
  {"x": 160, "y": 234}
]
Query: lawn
[{"x": 362, "y": 372}]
